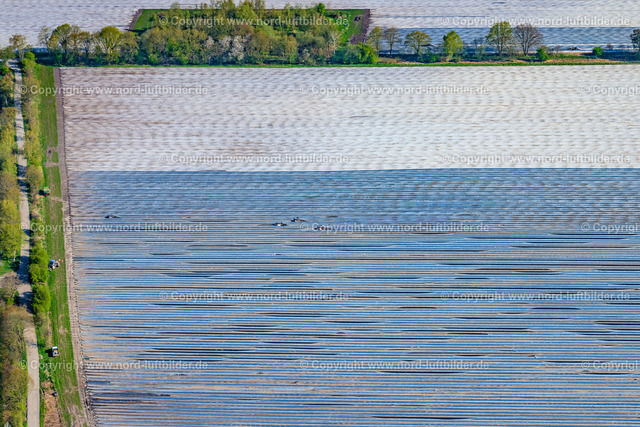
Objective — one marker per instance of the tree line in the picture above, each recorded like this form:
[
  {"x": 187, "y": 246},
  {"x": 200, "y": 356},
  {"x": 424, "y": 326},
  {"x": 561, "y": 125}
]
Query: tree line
[
  {"x": 507, "y": 41},
  {"x": 13, "y": 377},
  {"x": 10, "y": 229},
  {"x": 220, "y": 33},
  {"x": 10, "y": 224},
  {"x": 223, "y": 33},
  {"x": 39, "y": 257}
]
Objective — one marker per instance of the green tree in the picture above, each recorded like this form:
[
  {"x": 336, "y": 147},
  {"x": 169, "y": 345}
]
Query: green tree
[
  {"x": 108, "y": 40},
  {"x": 9, "y": 189},
  {"x": 34, "y": 178},
  {"x": 501, "y": 37},
  {"x": 452, "y": 45},
  {"x": 286, "y": 47},
  {"x": 259, "y": 7},
  {"x": 18, "y": 43},
  {"x": 62, "y": 35},
  {"x": 41, "y": 294},
  {"x": 6, "y": 90},
  {"x": 258, "y": 46},
  {"x": 321, "y": 8},
  {"x": 154, "y": 44},
  {"x": 32, "y": 148},
  {"x": 351, "y": 54},
  {"x": 245, "y": 13},
  {"x": 12, "y": 394},
  {"x": 417, "y": 40},
  {"x": 10, "y": 229},
  {"x": 129, "y": 47},
  {"x": 392, "y": 37},
  {"x": 76, "y": 42},
  {"x": 375, "y": 38}
]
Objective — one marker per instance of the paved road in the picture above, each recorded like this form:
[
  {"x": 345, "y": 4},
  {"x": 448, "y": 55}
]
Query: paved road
[{"x": 33, "y": 392}]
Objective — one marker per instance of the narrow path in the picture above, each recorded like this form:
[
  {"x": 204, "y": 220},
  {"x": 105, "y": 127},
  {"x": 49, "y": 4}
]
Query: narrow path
[{"x": 24, "y": 289}]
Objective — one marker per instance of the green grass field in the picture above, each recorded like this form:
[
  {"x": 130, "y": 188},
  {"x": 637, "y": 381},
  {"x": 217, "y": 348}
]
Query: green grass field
[
  {"x": 60, "y": 370},
  {"x": 144, "y": 21},
  {"x": 354, "y": 27}
]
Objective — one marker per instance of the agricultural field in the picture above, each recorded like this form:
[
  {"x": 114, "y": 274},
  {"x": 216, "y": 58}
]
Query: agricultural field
[
  {"x": 195, "y": 310},
  {"x": 426, "y": 286},
  {"x": 584, "y": 23},
  {"x": 351, "y": 118},
  {"x": 249, "y": 217}
]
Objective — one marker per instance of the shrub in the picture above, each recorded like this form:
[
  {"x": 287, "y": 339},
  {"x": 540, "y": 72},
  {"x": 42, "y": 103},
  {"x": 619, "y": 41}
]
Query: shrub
[
  {"x": 367, "y": 54},
  {"x": 32, "y": 148},
  {"x": 34, "y": 178},
  {"x": 37, "y": 274},
  {"x": 4, "y": 69},
  {"x": 39, "y": 255},
  {"x": 41, "y": 298},
  {"x": 597, "y": 51},
  {"x": 357, "y": 54},
  {"x": 429, "y": 57},
  {"x": 542, "y": 54}
]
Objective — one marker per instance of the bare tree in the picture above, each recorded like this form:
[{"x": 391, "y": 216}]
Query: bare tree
[
  {"x": 44, "y": 35},
  {"x": 392, "y": 37},
  {"x": 416, "y": 40},
  {"x": 18, "y": 43},
  {"x": 635, "y": 39},
  {"x": 528, "y": 36}
]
